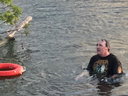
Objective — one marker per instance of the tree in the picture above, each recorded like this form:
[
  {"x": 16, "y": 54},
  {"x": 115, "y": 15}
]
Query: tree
[{"x": 9, "y": 14}]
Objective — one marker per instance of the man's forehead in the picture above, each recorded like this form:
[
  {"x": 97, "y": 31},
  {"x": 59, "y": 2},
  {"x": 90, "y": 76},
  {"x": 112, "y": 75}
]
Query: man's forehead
[{"x": 101, "y": 42}]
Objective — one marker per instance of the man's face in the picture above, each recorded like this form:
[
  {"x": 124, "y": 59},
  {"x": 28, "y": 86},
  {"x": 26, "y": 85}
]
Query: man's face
[{"x": 101, "y": 48}]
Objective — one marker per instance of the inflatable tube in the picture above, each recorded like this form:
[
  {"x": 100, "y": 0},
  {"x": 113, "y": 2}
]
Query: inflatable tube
[{"x": 10, "y": 69}]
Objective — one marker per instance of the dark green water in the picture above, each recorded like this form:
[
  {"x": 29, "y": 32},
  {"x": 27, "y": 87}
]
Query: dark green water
[{"x": 62, "y": 38}]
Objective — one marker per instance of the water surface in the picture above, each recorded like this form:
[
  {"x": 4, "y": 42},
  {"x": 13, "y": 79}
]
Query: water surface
[{"x": 62, "y": 38}]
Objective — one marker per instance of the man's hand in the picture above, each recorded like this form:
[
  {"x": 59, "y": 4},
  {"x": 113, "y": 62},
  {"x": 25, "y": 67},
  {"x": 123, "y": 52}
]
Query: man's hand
[{"x": 84, "y": 73}]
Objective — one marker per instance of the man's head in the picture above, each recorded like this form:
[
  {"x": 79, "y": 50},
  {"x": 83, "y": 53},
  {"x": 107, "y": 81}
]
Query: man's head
[{"x": 103, "y": 47}]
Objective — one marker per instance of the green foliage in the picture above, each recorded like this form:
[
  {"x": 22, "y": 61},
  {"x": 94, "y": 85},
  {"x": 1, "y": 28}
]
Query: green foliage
[
  {"x": 27, "y": 32},
  {"x": 6, "y": 1},
  {"x": 26, "y": 25},
  {"x": 11, "y": 12}
]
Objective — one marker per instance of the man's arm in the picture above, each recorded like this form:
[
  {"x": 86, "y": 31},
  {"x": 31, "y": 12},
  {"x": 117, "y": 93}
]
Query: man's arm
[
  {"x": 84, "y": 73},
  {"x": 87, "y": 70}
]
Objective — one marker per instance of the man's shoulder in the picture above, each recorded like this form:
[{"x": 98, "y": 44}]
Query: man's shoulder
[{"x": 112, "y": 55}]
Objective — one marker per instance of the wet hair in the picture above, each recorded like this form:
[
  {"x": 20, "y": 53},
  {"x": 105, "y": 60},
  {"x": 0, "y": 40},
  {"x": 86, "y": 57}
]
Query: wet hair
[{"x": 107, "y": 43}]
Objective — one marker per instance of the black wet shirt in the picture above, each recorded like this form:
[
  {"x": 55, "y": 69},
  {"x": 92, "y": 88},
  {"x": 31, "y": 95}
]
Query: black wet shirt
[{"x": 107, "y": 66}]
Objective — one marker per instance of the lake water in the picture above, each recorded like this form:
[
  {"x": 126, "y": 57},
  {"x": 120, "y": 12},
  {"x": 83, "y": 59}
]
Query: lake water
[{"x": 62, "y": 39}]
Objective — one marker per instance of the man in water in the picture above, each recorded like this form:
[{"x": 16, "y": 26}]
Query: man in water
[{"x": 104, "y": 64}]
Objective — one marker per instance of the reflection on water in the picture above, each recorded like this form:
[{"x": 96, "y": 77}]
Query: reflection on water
[
  {"x": 7, "y": 53},
  {"x": 62, "y": 39},
  {"x": 105, "y": 89},
  {"x": 9, "y": 77}
]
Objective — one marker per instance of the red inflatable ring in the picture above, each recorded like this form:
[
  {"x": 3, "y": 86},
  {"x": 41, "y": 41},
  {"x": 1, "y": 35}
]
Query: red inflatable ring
[{"x": 10, "y": 69}]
